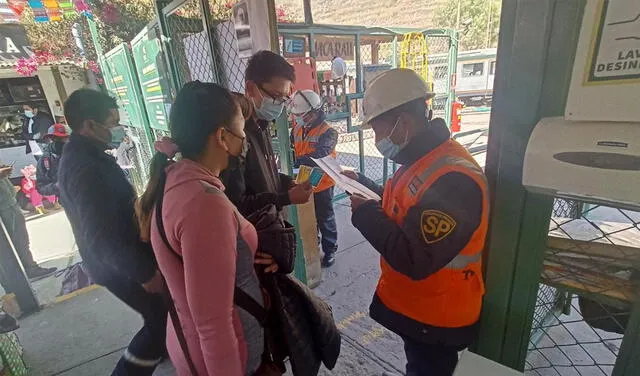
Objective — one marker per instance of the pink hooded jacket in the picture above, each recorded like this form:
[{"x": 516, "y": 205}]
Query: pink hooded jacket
[{"x": 217, "y": 246}]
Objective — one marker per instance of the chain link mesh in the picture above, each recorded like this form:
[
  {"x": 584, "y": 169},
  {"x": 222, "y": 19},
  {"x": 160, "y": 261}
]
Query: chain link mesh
[
  {"x": 139, "y": 151},
  {"x": 439, "y": 72},
  {"x": 590, "y": 278},
  {"x": 189, "y": 42},
  {"x": 226, "y": 51}
]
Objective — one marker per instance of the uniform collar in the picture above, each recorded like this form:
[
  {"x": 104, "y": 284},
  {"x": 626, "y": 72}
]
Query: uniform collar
[{"x": 432, "y": 136}]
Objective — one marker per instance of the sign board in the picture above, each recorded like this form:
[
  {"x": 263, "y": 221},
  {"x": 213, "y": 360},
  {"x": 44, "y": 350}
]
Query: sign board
[
  {"x": 328, "y": 47},
  {"x": 294, "y": 46},
  {"x": 152, "y": 76},
  {"x": 606, "y": 75},
  {"x": 615, "y": 50},
  {"x": 241, "y": 21},
  {"x": 14, "y": 44},
  {"x": 120, "y": 83}
]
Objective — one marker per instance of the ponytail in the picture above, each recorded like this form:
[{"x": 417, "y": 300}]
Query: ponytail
[{"x": 165, "y": 151}]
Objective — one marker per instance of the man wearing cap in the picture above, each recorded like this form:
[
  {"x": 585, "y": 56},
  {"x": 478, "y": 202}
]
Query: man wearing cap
[
  {"x": 314, "y": 138},
  {"x": 429, "y": 229},
  {"x": 47, "y": 169}
]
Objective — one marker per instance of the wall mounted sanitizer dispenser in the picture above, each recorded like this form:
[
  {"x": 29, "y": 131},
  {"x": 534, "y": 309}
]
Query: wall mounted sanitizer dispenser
[
  {"x": 593, "y": 152},
  {"x": 594, "y": 161}
]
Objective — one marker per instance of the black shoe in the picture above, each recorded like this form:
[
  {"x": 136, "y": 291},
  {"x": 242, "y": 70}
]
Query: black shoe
[
  {"x": 7, "y": 323},
  {"x": 37, "y": 272},
  {"x": 328, "y": 260}
]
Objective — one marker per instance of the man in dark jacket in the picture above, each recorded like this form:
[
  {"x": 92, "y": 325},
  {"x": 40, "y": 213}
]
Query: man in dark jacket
[
  {"x": 47, "y": 170},
  {"x": 99, "y": 202},
  {"x": 255, "y": 182},
  {"x": 35, "y": 126}
]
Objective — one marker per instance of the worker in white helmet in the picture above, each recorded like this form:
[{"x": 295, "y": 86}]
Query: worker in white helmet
[
  {"x": 312, "y": 137},
  {"x": 429, "y": 229}
]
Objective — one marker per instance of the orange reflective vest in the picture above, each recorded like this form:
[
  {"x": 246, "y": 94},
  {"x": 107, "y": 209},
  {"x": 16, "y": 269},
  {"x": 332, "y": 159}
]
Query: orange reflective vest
[
  {"x": 452, "y": 296},
  {"x": 305, "y": 144}
]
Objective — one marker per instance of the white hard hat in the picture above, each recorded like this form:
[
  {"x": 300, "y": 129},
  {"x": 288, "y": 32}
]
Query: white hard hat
[
  {"x": 338, "y": 67},
  {"x": 392, "y": 89},
  {"x": 304, "y": 101}
]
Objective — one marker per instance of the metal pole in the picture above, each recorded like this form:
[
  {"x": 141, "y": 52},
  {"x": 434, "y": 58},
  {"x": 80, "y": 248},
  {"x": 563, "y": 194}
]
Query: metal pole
[
  {"x": 286, "y": 155},
  {"x": 13, "y": 274},
  {"x": 308, "y": 16},
  {"x": 458, "y": 15},
  {"x": 489, "y": 23},
  {"x": 165, "y": 38},
  {"x": 359, "y": 85},
  {"x": 209, "y": 30}
]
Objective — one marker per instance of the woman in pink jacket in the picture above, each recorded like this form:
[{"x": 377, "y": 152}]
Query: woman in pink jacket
[{"x": 209, "y": 248}]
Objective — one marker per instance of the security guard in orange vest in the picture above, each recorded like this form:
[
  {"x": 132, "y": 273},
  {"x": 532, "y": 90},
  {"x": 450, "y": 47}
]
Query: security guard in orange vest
[
  {"x": 312, "y": 137},
  {"x": 429, "y": 229}
]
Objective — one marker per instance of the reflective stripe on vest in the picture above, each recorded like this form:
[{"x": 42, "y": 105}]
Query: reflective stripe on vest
[
  {"x": 452, "y": 296},
  {"x": 305, "y": 145}
]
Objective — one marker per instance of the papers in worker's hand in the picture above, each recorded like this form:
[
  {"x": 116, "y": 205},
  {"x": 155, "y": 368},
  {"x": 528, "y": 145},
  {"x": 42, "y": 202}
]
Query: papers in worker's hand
[{"x": 331, "y": 167}]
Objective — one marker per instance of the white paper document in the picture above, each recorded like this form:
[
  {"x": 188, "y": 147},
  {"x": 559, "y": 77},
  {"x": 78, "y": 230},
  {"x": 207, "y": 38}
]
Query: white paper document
[{"x": 331, "y": 167}]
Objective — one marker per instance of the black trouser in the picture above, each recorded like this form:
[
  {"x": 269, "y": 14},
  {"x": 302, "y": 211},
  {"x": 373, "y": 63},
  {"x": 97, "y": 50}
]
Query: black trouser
[
  {"x": 430, "y": 359},
  {"x": 148, "y": 347},
  {"x": 326, "y": 219},
  {"x": 16, "y": 225}
]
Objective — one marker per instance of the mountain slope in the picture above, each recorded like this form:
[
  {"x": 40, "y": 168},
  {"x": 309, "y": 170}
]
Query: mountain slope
[{"x": 408, "y": 13}]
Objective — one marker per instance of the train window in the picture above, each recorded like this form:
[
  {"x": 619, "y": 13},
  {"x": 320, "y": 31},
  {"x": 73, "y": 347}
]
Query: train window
[
  {"x": 473, "y": 69},
  {"x": 492, "y": 68}
]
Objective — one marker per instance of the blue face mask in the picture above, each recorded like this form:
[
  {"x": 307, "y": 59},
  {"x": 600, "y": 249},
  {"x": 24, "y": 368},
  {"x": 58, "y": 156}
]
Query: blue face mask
[
  {"x": 29, "y": 114},
  {"x": 268, "y": 110},
  {"x": 117, "y": 134},
  {"x": 300, "y": 120},
  {"x": 387, "y": 148}
]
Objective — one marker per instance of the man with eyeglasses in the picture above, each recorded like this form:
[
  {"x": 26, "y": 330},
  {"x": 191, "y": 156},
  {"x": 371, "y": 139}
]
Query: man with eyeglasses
[{"x": 257, "y": 182}]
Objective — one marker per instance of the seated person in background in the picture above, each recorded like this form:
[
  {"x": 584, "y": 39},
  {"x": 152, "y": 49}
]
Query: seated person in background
[
  {"x": 47, "y": 170},
  {"x": 28, "y": 187}
]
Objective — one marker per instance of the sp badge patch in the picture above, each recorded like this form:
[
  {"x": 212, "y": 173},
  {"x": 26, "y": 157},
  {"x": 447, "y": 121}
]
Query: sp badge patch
[{"x": 436, "y": 225}]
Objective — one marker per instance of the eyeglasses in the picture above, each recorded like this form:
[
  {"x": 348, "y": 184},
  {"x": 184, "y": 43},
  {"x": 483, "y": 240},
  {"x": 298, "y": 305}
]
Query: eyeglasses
[{"x": 275, "y": 99}]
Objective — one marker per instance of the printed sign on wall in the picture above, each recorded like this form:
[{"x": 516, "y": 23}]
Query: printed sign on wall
[
  {"x": 329, "y": 47},
  {"x": 615, "y": 54}
]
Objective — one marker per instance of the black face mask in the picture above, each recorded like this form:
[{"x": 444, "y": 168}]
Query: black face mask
[{"x": 57, "y": 147}]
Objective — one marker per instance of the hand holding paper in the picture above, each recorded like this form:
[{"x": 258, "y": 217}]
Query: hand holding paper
[{"x": 331, "y": 167}]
